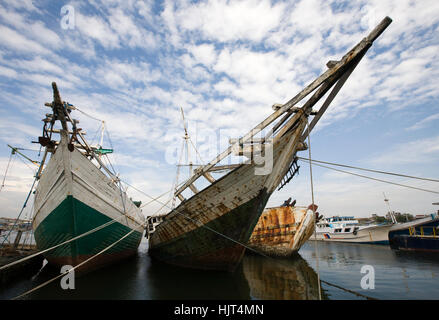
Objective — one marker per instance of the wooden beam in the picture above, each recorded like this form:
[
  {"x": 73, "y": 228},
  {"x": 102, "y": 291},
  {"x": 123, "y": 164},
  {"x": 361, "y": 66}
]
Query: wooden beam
[
  {"x": 193, "y": 188},
  {"x": 70, "y": 132},
  {"x": 224, "y": 167},
  {"x": 330, "y": 98},
  {"x": 209, "y": 177}
]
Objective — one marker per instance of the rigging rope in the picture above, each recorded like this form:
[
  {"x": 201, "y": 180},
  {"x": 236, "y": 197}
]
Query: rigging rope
[
  {"x": 371, "y": 170},
  {"x": 7, "y": 168},
  {"x": 90, "y": 116},
  {"x": 313, "y": 209},
  {"x": 376, "y": 179},
  {"x": 22, "y": 209}
]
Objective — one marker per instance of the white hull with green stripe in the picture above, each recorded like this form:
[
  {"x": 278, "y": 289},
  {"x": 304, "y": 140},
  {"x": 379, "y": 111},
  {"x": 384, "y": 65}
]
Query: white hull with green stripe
[{"x": 74, "y": 196}]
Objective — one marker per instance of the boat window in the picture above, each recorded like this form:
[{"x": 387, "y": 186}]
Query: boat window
[
  {"x": 337, "y": 230},
  {"x": 347, "y": 230}
]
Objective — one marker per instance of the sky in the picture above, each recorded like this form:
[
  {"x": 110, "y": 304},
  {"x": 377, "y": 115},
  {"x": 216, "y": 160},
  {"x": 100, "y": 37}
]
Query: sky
[{"x": 133, "y": 64}]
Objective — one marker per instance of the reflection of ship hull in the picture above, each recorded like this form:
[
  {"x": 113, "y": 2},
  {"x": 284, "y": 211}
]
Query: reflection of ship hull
[
  {"x": 369, "y": 235},
  {"x": 291, "y": 279},
  {"x": 282, "y": 231}
]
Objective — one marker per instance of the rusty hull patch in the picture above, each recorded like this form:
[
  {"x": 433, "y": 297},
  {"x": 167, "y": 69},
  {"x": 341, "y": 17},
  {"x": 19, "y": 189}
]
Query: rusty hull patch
[{"x": 274, "y": 233}]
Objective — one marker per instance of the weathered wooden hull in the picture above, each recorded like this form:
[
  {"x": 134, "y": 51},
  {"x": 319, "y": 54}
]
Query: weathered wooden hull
[
  {"x": 205, "y": 249},
  {"x": 210, "y": 230},
  {"x": 282, "y": 231},
  {"x": 74, "y": 197}
]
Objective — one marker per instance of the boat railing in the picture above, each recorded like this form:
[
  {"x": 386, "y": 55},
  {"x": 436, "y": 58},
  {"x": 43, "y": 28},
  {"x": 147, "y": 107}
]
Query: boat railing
[{"x": 424, "y": 231}]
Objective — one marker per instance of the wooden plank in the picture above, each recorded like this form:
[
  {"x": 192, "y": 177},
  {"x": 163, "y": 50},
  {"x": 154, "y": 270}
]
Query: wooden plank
[{"x": 224, "y": 167}]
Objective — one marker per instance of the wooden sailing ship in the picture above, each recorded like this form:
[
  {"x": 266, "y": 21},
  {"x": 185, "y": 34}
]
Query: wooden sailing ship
[
  {"x": 74, "y": 196},
  {"x": 209, "y": 228},
  {"x": 281, "y": 231}
]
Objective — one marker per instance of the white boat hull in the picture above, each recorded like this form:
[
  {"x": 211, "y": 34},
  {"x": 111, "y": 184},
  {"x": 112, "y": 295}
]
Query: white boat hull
[{"x": 369, "y": 235}]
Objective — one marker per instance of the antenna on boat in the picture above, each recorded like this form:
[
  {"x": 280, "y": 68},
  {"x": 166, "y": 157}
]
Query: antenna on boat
[{"x": 392, "y": 216}]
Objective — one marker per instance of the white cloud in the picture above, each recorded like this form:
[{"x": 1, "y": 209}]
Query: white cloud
[
  {"x": 230, "y": 20},
  {"x": 15, "y": 41},
  {"x": 424, "y": 122},
  {"x": 411, "y": 152},
  {"x": 204, "y": 53},
  {"x": 97, "y": 29}
]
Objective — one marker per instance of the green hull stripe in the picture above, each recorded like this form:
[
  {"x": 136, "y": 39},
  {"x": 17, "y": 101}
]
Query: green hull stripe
[{"x": 72, "y": 218}]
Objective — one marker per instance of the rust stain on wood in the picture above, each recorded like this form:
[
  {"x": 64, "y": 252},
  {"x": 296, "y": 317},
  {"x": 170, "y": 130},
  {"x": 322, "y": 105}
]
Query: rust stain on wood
[{"x": 281, "y": 231}]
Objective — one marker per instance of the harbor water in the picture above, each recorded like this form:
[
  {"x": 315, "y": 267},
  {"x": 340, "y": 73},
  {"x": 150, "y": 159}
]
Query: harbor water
[{"x": 397, "y": 275}]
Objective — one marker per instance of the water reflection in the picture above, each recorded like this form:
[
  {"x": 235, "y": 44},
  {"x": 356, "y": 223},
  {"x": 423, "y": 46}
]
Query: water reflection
[
  {"x": 398, "y": 275},
  {"x": 281, "y": 279}
]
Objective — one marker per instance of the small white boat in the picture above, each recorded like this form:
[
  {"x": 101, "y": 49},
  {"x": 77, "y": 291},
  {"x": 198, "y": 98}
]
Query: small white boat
[{"x": 348, "y": 229}]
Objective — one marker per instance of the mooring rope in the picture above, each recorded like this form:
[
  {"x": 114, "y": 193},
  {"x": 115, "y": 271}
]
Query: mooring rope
[
  {"x": 62, "y": 243},
  {"x": 348, "y": 290},
  {"x": 200, "y": 224},
  {"x": 114, "y": 220},
  {"x": 78, "y": 265}
]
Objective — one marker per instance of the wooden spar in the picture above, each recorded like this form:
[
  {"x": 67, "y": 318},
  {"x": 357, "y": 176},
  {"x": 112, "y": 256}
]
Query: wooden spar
[
  {"x": 209, "y": 177},
  {"x": 40, "y": 169},
  {"x": 329, "y": 99},
  {"x": 224, "y": 167},
  {"x": 58, "y": 105},
  {"x": 70, "y": 132},
  {"x": 336, "y": 71}
]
